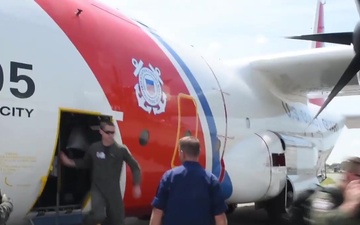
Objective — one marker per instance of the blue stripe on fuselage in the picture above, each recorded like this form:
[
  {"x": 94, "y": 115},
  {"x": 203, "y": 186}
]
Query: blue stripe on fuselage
[{"x": 226, "y": 184}]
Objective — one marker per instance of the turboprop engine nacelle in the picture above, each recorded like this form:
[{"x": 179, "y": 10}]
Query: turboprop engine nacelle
[{"x": 273, "y": 160}]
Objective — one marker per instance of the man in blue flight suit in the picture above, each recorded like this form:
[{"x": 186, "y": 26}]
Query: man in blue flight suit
[{"x": 188, "y": 194}]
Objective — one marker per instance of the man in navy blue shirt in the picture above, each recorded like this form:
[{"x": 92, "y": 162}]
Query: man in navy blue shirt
[{"x": 188, "y": 194}]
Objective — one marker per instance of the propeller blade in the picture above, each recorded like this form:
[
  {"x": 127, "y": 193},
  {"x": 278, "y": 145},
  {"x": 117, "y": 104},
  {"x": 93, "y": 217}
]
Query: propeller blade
[
  {"x": 349, "y": 73},
  {"x": 344, "y": 38},
  {"x": 357, "y": 3}
]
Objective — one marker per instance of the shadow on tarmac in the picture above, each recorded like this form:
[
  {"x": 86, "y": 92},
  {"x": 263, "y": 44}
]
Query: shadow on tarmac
[{"x": 244, "y": 215}]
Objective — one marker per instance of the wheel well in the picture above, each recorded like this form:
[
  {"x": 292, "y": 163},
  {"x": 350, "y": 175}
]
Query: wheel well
[
  {"x": 289, "y": 193},
  {"x": 278, "y": 206}
]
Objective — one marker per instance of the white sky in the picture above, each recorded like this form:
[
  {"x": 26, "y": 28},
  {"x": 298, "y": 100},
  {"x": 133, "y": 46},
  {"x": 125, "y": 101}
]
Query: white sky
[{"x": 233, "y": 29}]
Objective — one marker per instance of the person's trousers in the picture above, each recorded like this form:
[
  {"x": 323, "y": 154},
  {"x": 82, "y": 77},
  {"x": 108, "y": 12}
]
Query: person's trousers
[{"x": 105, "y": 210}]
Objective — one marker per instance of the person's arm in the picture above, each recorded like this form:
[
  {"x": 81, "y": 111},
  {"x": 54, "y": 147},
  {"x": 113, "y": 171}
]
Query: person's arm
[
  {"x": 133, "y": 164},
  {"x": 322, "y": 212},
  {"x": 156, "y": 216},
  {"x": 6, "y": 207},
  {"x": 83, "y": 163},
  {"x": 159, "y": 202},
  {"x": 221, "y": 219},
  {"x": 218, "y": 203}
]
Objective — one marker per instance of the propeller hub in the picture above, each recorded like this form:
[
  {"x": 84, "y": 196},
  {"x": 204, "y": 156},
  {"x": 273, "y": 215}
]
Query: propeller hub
[{"x": 356, "y": 38}]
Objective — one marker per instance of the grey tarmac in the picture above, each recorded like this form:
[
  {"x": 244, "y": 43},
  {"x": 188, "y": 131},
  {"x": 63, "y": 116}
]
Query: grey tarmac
[{"x": 244, "y": 215}]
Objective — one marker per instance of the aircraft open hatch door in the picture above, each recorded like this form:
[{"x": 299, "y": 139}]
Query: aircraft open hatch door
[{"x": 66, "y": 188}]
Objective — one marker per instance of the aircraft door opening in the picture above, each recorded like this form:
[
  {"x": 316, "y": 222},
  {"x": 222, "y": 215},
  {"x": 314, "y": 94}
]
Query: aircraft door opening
[
  {"x": 188, "y": 122},
  {"x": 67, "y": 188}
]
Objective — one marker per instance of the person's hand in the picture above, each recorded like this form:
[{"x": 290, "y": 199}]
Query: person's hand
[
  {"x": 352, "y": 192},
  {"x": 63, "y": 158},
  {"x": 5, "y": 198},
  {"x": 351, "y": 197},
  {"x": 137, "y": 191}
]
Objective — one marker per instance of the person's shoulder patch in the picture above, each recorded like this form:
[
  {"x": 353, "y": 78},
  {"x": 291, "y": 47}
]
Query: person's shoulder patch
[{"x": 322, "y": 204}]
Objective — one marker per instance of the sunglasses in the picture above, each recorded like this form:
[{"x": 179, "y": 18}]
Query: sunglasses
[{"x": 108, "y": 132}]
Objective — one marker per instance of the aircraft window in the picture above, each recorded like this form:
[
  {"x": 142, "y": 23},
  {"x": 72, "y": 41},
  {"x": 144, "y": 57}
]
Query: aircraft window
[{"x": 144, "y": 137}]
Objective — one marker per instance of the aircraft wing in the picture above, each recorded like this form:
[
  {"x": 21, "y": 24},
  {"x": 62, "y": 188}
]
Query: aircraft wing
[
  {"x": 312, "y": 72},
  {"x": 309, "y": 73}
]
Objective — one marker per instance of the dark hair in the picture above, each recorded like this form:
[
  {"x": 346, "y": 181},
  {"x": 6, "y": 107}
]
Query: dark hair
[
  {"x": 190, "y": 146},
  {"x": 352, "y": 165},
  {"x": 106, "y": 123}
]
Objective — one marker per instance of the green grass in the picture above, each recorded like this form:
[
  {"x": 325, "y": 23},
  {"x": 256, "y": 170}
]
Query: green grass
[{"x": 328, "y": 181}]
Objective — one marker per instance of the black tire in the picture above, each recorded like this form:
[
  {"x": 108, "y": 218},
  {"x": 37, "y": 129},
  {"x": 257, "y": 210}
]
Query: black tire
[
  {"x": 276, "y": 209},
  {"x": 231, "y": 208}
]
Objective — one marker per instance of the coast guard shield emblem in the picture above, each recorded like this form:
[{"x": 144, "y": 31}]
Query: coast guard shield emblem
[{"x": 148, "y": 90}]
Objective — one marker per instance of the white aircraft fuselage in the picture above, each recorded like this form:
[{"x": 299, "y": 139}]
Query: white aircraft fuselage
[{"x": 65, "y": 63}]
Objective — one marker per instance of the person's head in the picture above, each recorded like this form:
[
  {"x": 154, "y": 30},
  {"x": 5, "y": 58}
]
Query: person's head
[
  {"x": 352, "y": 169},
  {"x": 189, "y": 148},
  {"x": 107, "y": 131}
]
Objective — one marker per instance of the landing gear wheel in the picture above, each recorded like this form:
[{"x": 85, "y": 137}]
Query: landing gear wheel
[{"x": 276, "y": 208}]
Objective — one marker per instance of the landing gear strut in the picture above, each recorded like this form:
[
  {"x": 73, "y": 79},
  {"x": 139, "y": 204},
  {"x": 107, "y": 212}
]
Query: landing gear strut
[{"x": 277, "y": 207}]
